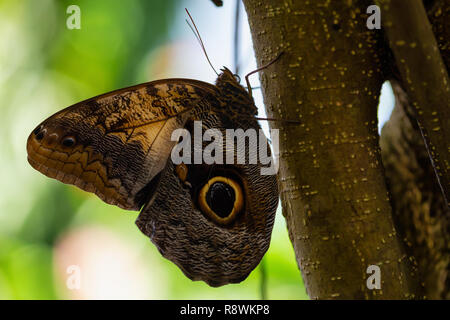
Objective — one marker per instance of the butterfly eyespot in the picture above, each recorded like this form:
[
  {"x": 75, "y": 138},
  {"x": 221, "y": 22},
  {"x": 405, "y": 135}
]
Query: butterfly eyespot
[
  {"x": 68, "y": 141},
  {"x": 221, "y": 199},
  {"x": 39, "y": 134},
  {"x": 37, "y": 130}
]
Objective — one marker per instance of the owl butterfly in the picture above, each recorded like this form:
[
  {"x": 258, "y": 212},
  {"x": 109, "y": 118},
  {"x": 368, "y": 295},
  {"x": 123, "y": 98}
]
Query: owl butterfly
[{"x": 213, "y": 221}]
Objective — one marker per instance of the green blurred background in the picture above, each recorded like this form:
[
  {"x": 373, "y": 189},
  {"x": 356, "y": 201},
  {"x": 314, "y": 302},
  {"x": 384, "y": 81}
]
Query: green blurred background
[{"x": 46, "y": 226}]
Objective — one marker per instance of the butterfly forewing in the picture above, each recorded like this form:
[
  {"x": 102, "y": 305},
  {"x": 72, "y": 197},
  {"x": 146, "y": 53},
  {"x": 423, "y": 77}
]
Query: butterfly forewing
[{"x": 121, "y": 140}]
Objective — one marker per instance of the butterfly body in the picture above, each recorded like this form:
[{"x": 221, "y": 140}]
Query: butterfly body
[{"x": 213, "y": 220}]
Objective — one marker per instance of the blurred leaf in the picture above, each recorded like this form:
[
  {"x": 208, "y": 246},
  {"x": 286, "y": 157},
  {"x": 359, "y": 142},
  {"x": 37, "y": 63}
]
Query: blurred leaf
[
  {"x": 51, "y": 214},
  {"x": 28, "y": 269}
]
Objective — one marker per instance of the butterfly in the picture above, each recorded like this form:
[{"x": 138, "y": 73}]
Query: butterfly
[{"x": 214, "y": 221}]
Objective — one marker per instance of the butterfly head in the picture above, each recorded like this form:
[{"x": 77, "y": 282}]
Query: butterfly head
[{"x": 234, "y": 94}]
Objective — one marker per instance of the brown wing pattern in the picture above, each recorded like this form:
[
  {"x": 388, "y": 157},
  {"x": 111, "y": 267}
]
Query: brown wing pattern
[{"x": 114, "y": 145}]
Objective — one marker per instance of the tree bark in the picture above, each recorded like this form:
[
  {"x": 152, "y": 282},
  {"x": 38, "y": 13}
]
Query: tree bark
[
  {"x": 424, "y": 76},
  {"x": 333, "y": 188},
  {"x": 420, "y": 210}
]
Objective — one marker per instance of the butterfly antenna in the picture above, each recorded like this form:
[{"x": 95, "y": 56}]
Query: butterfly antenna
[
  {"x": 193, "y": 30},
  {"x": 259, "y": 69},
  {"x": 199, "y": 38},
  {"x": 236, "y": 35}
]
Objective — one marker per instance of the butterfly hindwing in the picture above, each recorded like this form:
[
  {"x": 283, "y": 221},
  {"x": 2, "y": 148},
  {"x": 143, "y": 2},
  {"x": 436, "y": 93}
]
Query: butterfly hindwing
[{"x": 209, "y": 244}]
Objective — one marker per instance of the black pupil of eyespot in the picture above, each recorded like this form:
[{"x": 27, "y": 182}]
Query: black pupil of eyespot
[
  {"x": 220, "y": 198},
  {"x": 68, "y": 142},
  {"x": 39, "y": 135},
  {"x": 37, "y": 130}
]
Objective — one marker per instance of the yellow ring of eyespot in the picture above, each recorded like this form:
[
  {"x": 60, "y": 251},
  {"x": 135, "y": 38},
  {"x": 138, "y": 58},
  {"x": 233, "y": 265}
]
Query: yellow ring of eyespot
[{"x": 238, "y": 201}]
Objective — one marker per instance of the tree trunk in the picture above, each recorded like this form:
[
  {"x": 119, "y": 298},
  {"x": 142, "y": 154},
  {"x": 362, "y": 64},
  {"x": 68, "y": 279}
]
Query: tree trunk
[
  {"x": 425, "y": 78},
  {"x": 420, "y": 210},
  {"x": 332, "y": 181}
]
